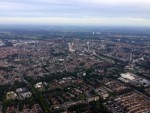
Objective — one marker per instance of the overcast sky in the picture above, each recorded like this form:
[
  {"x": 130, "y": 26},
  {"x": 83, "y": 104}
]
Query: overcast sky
[{"x": 76, "y": 12}]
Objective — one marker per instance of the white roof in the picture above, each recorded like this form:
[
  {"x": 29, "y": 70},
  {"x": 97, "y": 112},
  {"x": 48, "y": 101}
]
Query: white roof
[{"x": 128, "y": 76}]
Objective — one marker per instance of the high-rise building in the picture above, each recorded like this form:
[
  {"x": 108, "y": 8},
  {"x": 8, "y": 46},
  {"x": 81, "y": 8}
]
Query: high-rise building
[
  {"x": 88, "y": 46},
  {"x": 71, "y": 47}
]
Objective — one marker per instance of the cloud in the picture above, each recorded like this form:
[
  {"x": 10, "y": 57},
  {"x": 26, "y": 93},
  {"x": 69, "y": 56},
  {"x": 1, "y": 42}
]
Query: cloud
[
  {"x": 118, "y": 21},
  {"x": 76, "y": 9}
]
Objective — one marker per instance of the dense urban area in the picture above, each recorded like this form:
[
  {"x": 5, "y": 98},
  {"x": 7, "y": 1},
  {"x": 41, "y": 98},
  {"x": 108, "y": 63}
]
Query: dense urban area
[{"x": 74, "y": 70}]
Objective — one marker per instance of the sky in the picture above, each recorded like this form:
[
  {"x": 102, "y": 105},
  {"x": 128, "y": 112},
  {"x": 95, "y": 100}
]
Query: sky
[{"x": 76, "y": 12}]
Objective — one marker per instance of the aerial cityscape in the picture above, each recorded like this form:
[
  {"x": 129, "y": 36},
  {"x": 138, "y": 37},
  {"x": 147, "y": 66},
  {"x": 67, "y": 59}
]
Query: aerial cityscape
[
  {"x": 74, "y": 56},
  {"x": 92, "y": 70}
]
